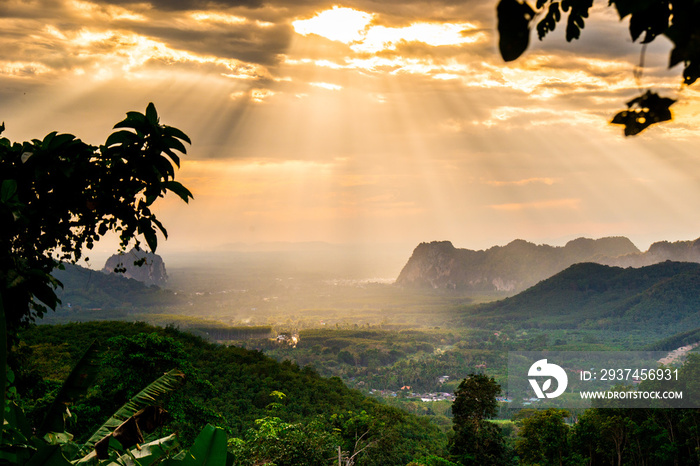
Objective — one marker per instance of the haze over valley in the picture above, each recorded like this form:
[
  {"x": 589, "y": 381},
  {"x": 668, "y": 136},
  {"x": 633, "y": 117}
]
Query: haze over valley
[
  {"x": 339, "y": 223},
  {"x": 304, "y": 287}
]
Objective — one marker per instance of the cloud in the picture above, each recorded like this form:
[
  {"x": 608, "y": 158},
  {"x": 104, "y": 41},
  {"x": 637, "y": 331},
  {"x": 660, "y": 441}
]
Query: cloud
[
  {"x": 260, "y": 95},
  {"x": 362, "y": 31},
  {"x": 340, "y": 24},
  {"x": 328, "y": 86},
  {"x": 115, "y": 38},
  {"x": 566, "y": 204},
  {"x": 186, "y": 5},
  {"x": 523, "y": 182}
]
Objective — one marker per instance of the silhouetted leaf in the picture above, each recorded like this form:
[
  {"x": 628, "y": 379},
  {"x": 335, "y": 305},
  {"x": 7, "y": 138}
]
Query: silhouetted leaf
[
  {"x": 174, "y": 143},
  {"x": 134, "y": 120},
  {"x": 45, "y": 293},
  {"x": 684, "y": 32},
  {"x": 179, "y": 189},
  {"x": 513, "y": 28},
  {"x": 121, "y": 137},
  {"x": 7, "y": 190},
  {"x": 61, "y": 141},
  {"x": 677, "y": 55},
  {"x": 173, "y": 156},
  {"x": 625, "y": 7},
  {"x": 652, "y": 20},
  {"x": 549, "y": 22},
  {"x": 161, "y": 227},
  {"x": 171, "y": 131},
  {"x": 146, "y": 229},
  {"x": 152, "y": 114},
  {"x": 691, "y": 73},
  {"x": 163, "y": 165},
  {"x": 579, "y": 10},
  {"x": 644, "y": 111},
  {"x": 47, "y": 140}
]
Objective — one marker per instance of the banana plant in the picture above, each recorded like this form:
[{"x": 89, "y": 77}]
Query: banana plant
[
  {"x": 80, "y": 378},
  {"x": 20, "y": 448},
  {"x": 146, "y": 397},
  {"x": 208, "y": 449}
]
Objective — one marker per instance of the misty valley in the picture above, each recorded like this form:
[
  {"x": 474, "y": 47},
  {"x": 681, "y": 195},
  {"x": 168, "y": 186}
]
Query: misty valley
[
  {"x": 404, "y": 343},
  {"x": 269, "y": 233}
]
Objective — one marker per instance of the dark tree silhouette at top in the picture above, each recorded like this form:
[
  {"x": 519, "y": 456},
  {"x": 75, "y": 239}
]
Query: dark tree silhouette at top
[{"x": 677, "y": 20}]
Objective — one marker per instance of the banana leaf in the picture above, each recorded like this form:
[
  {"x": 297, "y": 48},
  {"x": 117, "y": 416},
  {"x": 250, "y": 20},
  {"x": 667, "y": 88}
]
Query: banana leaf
[
  {"x": 148, "y": 396},
  {"x": 150, "y": 453},
  {"x": 77, "y": 383},
  {"x": 209, "y": 449},
  {"x": 50, "y": 455}
]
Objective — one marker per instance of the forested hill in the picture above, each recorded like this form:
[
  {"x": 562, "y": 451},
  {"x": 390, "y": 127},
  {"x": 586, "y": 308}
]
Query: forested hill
[
  {"x": 85, "y": 289},
  {"x": 664, "y": 297},
  {"x": 226, "y": 386}
]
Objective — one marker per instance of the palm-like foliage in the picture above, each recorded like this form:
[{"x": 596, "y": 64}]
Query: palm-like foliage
[{"x": 146, "y": 397}]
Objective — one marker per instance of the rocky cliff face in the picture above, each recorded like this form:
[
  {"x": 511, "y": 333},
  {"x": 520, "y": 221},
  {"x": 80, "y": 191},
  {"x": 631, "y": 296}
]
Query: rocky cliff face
[
  {"x": 679, "y": 251},
  {"x": 151, "y": 271},
  {"x": 511, "y": 268}
]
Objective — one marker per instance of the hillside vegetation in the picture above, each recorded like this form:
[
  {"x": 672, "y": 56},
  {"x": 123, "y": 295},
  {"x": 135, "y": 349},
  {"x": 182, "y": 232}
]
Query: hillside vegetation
[
  {"x": 226, "y": 386},
  {"x": 664, "y": 297},
  {"x": 90, "y": 291}
]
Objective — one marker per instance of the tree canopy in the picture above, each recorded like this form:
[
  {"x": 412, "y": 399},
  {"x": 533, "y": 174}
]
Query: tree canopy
[
  {"x": 475, "y": 439},
  {"x": 59, "y": 195},
  {"x": 649, "y": 19}
]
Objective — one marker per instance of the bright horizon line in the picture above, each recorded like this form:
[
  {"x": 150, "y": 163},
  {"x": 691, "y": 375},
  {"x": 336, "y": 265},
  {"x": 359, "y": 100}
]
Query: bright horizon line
[{"x": 257, "y": 246}]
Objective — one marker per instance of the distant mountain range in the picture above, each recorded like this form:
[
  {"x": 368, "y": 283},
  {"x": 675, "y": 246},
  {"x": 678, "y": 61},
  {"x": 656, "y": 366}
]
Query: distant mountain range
[
  {"x": 664, "y": 297},
  {"x": 521, "y": 264}
]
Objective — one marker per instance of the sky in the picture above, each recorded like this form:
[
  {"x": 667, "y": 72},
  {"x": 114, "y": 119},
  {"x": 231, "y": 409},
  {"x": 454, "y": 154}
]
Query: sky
[{"x": 365, "y": 122}]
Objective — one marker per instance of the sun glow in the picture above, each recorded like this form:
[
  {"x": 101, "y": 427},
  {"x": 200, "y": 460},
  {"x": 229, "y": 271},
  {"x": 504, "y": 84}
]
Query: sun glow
[
  {"x": 357, "y": 29},
  {"x": 434, "y": 34},
  {"x": 22, "y": 69},
  {"x": 375, "y": 122},
  {"x": 328, "y": 86},
  {"x": 340, "y": 24},
  {"x": 217, "y": 17}
]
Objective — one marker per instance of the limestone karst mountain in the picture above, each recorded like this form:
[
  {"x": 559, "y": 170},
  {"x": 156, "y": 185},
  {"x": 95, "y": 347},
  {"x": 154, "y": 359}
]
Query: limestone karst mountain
[
  {"x": 150, "y": 272},
  {"x": 521, "y": 264}
]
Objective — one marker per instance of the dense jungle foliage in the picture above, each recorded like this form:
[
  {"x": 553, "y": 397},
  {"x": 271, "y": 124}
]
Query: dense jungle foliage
[
  {"x": 226, "y": 386},
  {"x": 285, "y": 415}
]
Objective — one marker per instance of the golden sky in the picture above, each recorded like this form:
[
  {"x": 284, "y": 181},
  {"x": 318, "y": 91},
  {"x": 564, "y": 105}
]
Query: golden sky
[{"x": 364, "y": 122}]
